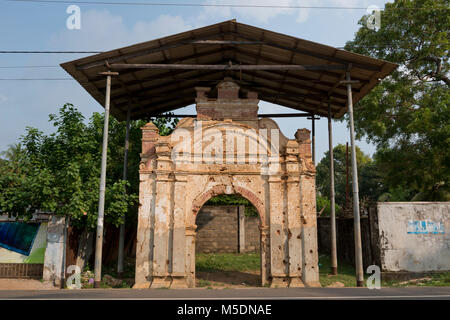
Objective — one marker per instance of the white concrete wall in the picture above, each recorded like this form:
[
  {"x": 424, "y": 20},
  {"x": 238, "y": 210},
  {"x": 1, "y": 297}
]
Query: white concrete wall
[
  {"x": 55, "y": 249},
  {"x": 38, "y": 248},
  {"x": 414, "y": 236}
]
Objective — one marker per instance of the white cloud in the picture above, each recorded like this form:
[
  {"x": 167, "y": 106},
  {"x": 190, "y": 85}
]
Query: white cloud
[
  {"x": 101, "y": 30},
  {"x": 304, "y": 13},
  {"x": 264, "y": 15}
]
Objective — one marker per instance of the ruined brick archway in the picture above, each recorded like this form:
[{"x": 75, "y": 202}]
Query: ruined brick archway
[
  {"x": 226, "y": 150},
  {"x": 217, "y": 190}
]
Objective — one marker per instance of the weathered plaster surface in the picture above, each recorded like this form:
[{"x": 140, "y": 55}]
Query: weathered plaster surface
[
  {"x": 403, "y": 248},
  {"x": 219, "y": 152}
]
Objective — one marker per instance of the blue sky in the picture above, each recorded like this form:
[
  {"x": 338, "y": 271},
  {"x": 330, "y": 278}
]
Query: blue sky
[{"x": 39, "y": 26}]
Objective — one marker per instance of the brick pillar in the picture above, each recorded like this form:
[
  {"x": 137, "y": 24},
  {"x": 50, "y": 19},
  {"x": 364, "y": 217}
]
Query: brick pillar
[
  {"x": 303, "y": 138},
  {"x": 150, "y": 134},
  {"x": 241, "y": 228}
]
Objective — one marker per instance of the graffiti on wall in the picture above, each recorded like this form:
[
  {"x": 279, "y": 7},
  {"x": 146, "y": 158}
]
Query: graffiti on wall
[
  {"x": 17, "y": 236},
  {"x": 425, "y": 227}
]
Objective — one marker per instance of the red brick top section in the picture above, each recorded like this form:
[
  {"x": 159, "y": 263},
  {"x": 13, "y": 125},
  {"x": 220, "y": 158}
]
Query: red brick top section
[
  {"x": 150, "y": 134},
  {"x": 228, "y": 105},
  {"x": 228, "y": 90},
  {"x": 303, "y": 138}
]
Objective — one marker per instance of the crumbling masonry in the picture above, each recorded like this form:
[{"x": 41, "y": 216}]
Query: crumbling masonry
[{"x": 226, "y": 150}]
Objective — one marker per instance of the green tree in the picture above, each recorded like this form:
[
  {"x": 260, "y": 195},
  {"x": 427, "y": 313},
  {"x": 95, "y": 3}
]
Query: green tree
[
  {"x": 60, "y": 172},
  {"x": 370, "y": 185},
  {"x": 407, "y": 115}
]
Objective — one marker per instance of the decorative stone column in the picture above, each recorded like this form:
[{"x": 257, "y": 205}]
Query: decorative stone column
[
  {"x": 179, "y": 279},
  {"x": 190, "y": 255},
  {"x": 265, "y": 254},
  {"x": 163, "y": 215},
  {"x": 147, "y": 190},
  {"x": 277, "y": 233},
  {"x": 308, "y": 210},
  {"x": 293, "y": 220}
]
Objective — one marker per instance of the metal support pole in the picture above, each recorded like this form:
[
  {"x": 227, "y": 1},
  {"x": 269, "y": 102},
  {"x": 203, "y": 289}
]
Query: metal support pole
[
  {"x": 120, "y": 257},
  {"x": 356, "y": 219},
  {"x": 62, "y": 283},
  {"x": 313, "y": 122},
  {"x": 101, "y": 201},
  {"x": 332, "y": 196}
]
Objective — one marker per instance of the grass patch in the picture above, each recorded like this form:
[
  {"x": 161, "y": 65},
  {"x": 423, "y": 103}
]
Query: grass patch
[
  {"x": 203, "y": 283},
  {"x": 346, "y": 272},
  {"x": 432, "y": 280},
  {"x": 219, "y": 262}
]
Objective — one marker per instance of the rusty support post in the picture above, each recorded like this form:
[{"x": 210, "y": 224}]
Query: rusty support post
[
  {"x": 332, "y": 197},
  {"x": 313, "y": 131},
  {"x": 356, "y": 218},
  {"x": 101, "y": 201},
  {"x": 120, "y": 257},
  {"x": 347, "y": 196},
  {"x": 62, "y": 283}
]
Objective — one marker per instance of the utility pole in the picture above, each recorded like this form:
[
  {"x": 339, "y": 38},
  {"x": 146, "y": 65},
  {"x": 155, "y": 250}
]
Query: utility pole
[
  {"x": 356, "y": 217},
  {"x": 347, "y": 196},
  {"x": 332, "y": 196},
  {"x": 101, "y": 201},
  {"x": 121, "y": 255}
]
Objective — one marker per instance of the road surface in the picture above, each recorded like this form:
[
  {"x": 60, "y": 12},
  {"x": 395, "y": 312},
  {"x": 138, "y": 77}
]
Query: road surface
[{"x": 238, "y": 294}]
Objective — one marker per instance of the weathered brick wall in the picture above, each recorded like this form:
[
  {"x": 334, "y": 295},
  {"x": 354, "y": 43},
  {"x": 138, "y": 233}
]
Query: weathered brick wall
[
  {"x": 218, "y": 230},
  {"x": 252, "y": 234}
]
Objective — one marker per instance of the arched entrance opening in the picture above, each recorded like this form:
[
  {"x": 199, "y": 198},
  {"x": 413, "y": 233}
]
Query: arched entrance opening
[{"x": 228, "y": 243}]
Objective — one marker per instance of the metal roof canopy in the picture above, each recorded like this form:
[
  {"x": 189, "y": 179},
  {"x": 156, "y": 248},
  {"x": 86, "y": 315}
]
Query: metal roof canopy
[{"x": 161, "y": 75}]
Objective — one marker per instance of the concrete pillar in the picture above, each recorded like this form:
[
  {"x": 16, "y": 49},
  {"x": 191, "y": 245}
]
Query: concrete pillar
[
  {"x": 54, "y": 252},
  {"x": 241, "y": 228}
]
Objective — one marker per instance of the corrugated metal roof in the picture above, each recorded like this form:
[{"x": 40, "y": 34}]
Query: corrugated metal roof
[{"x": 153, "y": 91}]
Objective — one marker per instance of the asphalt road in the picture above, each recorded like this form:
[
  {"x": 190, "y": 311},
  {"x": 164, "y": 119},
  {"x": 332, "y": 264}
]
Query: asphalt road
[{"x": 414, "y": 293}]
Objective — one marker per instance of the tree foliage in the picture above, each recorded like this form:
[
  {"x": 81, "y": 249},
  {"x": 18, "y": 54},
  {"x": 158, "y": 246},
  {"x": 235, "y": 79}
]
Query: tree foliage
[
  {"x": 370, "y": 185},
  {"x": 60, "y": 172},
  {"x": 408, "y": 114}
]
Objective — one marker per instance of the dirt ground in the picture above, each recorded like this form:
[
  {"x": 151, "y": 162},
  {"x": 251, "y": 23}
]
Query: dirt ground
[
  {"x": 228, "y": 279},
  {"x": 24, "y": 284}
]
